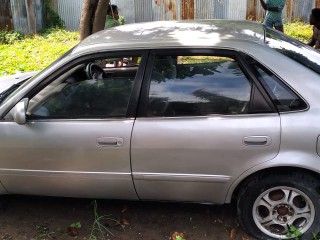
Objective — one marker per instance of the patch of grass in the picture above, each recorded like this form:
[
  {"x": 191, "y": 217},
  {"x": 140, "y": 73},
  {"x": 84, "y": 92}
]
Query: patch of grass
[
  {"x": 299, "y": 30},
  {"x": 9, "y": 37},
  {"x": 99, "y": 229},
  {"x": 35, "y": 52}
]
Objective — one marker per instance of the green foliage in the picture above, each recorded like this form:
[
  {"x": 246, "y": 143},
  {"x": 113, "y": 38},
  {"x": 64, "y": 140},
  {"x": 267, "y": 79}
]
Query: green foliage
[
  {"x": 9, "y": 37},
  {"x": 76, "y": 225},
  {"x": 294, "y": 233},
  {"x": 316, "y": 236},
  {"x": 98, "y": 228},
  {"x": 299, "y": 30},
  {"x": 35, "y": 52},
  {"x": 59, "y": 35},
  {"x": 53, "y": 20},
  {"x": 180, "y": 238},
  {"x": 122, "y": 20}
]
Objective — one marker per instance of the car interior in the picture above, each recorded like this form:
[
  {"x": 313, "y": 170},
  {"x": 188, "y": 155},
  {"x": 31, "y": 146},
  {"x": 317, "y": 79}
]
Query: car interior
[
  {"x": 98, "y": 88},
  {"x": 184, "y": 71}
]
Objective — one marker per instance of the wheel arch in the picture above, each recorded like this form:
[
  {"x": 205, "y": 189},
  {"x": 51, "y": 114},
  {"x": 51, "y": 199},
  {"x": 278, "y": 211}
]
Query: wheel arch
[{"x": 238, "y": 183}]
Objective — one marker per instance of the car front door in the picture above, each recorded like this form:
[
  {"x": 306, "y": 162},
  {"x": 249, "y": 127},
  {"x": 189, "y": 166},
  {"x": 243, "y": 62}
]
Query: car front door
[
  {"x": 76, "y": 140},
  {"x": 202, "y": 123}
]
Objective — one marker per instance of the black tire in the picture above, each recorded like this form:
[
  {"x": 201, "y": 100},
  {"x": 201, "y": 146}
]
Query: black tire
[{"x": 302, "y": 195}]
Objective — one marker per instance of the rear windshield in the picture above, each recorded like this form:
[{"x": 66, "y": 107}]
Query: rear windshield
[{"x": 294, "y": 49}]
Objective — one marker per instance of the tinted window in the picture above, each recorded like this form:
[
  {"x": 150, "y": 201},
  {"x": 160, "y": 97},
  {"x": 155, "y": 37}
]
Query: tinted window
[
  {"x": 282, "y": 96},
  {"x": 101, "y": 88},
  {"x": 196, "y": 86}
]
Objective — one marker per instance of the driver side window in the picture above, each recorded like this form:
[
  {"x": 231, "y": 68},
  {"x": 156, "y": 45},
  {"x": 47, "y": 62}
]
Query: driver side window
[{"x": 98, "y": 89}]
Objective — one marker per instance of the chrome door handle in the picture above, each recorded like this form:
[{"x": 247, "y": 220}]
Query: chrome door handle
[
  {"x": 109, "y": 142},
  {"x": 257, "y": 141}
]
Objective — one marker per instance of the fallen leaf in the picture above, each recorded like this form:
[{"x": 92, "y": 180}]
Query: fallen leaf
[
  {"x": 233, "y": 233},
  {"x": 124, "y": 222}
]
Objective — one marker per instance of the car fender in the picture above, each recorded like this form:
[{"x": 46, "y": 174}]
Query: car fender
[{"x": 298, "y": 160}]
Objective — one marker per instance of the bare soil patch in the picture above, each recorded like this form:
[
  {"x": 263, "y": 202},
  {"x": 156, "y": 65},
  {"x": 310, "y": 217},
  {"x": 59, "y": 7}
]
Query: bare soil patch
[{"x": 45, "y": 218}]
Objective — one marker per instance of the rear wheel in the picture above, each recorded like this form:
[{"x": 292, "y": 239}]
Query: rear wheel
[{"x": 280, "y": 206}]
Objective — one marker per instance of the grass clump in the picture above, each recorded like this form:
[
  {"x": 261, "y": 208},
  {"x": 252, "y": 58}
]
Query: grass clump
[
  {"x": 35, "y": 52},
  {"x": 9, "y": 37},
  {"x": 298, "y": 30},
  {"x": 99, "y": 228}
]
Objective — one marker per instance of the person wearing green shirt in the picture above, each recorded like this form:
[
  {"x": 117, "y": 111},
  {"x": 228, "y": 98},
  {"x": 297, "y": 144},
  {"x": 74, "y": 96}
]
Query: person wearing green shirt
[
  {"x": 274, "y": 13},
  {"x": 112, "y": 17}
]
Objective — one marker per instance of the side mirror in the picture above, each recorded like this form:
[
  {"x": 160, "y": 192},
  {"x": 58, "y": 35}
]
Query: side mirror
[{"x": 19, "y": 113}]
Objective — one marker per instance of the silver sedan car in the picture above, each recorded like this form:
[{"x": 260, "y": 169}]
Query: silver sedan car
[{"x": 204, "y": 111}]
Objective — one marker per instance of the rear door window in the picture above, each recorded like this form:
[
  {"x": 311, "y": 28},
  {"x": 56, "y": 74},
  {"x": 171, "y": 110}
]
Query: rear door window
[{"x": 198, "y": 86}]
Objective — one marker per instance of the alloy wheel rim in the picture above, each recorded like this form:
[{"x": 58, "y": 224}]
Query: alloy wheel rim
[{"x": 277, "y": 209}]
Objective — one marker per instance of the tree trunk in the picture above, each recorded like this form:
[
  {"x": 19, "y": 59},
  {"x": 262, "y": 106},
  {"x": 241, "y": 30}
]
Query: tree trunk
[
  {"x": 87, "y": 14},
  {"x": 93, "y": 16},
  {"x": 100, "y": 16}
]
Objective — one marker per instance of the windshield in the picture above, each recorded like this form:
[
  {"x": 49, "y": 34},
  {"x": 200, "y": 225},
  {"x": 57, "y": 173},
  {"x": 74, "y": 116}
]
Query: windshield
[
  {"x": 294, "y": 49},
  {"x": 10, "y": 90}
]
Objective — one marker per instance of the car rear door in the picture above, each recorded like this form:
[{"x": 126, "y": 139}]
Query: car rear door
[
  {"x": 203, "y": 121},
  {"x": 76, "y": 141}
]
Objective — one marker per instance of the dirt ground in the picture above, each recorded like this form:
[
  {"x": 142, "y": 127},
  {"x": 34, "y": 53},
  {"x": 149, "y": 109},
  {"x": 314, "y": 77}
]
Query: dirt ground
[{"x": 44, "y": 218}]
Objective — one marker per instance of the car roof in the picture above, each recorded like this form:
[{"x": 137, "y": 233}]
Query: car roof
[{"x": 168, "y": 34}]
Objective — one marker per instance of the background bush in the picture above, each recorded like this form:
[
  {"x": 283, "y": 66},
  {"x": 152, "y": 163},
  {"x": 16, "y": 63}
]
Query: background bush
[
  {"x": 52, "y": 18},
  {"x": 9, "y": 37},
  {"x": 299, "y": 30},
  {"x": 19, "y": 53}
]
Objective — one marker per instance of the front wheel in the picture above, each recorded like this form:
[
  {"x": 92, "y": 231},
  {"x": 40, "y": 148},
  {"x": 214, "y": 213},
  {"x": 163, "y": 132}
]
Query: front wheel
[{"x": 280, "y": 206}]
